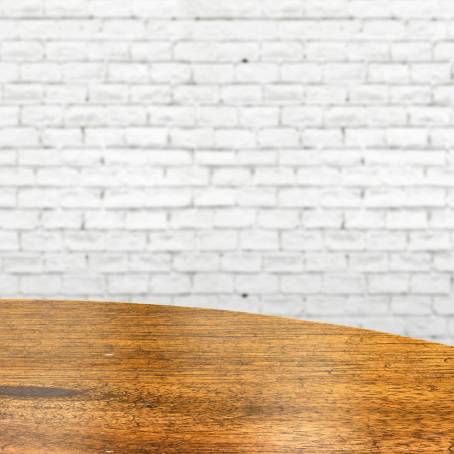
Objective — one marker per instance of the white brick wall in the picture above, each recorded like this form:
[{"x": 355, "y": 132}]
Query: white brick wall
[{"x": 289, "y": 157}]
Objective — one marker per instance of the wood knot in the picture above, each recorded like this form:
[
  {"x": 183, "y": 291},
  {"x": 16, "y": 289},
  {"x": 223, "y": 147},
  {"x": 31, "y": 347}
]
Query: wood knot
[{"x": 150, "y": 405}]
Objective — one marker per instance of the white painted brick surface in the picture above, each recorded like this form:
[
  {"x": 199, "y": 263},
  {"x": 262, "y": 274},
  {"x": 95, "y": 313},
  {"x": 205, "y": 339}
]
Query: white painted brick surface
[{"x": 289, "y": 157}]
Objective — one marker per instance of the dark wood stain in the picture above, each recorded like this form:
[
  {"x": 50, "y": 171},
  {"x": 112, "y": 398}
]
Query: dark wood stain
[
  {"x": 100, "y": 378},
  {"x": 36, "y": 391}
]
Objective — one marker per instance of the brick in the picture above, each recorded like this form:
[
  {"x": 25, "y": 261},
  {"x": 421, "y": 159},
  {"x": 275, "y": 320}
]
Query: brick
[
  {"x": 382, "y": 240},
  {"x": 331, "y": 261},
  {"x": 429, "y": 241},
  {"x": 192, "y": 138},
  {"x": 257, "y": 73},
  {"x": 284, "y": 8},
  {"x": 91, "y": 284},
  {"x": 231, "y": 176},
  {"x": 443, "y": 305},
  {"x": 108, "y": 262},
  {"x": 282, "y": 94},
  {"x": 242, "y": 262},
  {"x": 259, "y": 240},
  {"x": 195, "y": 95},
  {"x": 411, "y": 305},
  {"x": 194, "y": 219},
  {"x": 252, "y": 197},
  {"x": 301, "y": 284},
  {"x": 302, "y": 116},
  {"x": 146, "y": 220},
  {"x": 388, "y": 283},
  {"x": 414, "y": 261},
  {"x": 57, "y": 262},
  {"x": 432, "y": 283},
  {"x": 18, "y": 137},
  {"x": 343, "y": 284},
  {"x": 316, "y": 219},
  {"x": 328, "y": 305},
  {"x": 369, "y": 94},
  {"x": 427, "y": 327},
  {"x": 431, "y": 73},
  {"x": 55, "y": 219},
  {"x": 85, "y": 241},
  {"x": 196, "y": 262},
  {"x": 217, "y": 116},
  {"x": 272, "y": 219},
  {"x": 283, "y": 262},
  {"x": 275, "y": 137},
  {"x": 41, "y": 284},
  {"x": 301, "y": 241},
  {"x": 234, "y": 218},
  {"x": 241, "y": 94},
  {"x": 104, "y": 219},
  {"x": 382, "y": 198},
  {"x": 274, "y": 177},
  {"x": 368, "y": 262},
  {"x": 222, "y": 9},
  {"x": 256, "y": 284},
  {"x": 301, "y": 72},
  {"x": 364, "y": 219},
  {"x": 217, "y": 240},
  {"x": 138, "y": 198},
  {"x": 216, "y": 51},
  {"x": 150, "y": 262},
  {"x": 212, "y": 73},
  {"x": 125, "y": 241},
  {"x": 23, "y": 263},
  {"x": 406, "y": 219},
  {"x": 213, "y": 283},
  {"x": 234, "y": 138},
  {"x": 282, "y": 51},
  {"x": 128, "y": 284},
  {"x": 9, "y": 285},
  {"x": 214, "y": 197},
  {"x": 348, "y": 240},
  {"x": 170, "y": 284}
]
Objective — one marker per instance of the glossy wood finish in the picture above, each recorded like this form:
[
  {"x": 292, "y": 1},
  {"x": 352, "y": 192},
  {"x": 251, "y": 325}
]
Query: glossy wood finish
[{"x": 98, "y": 378}]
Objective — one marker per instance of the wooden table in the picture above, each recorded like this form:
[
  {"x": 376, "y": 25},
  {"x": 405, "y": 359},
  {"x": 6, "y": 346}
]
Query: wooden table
[{"x": 79, "y": 377}]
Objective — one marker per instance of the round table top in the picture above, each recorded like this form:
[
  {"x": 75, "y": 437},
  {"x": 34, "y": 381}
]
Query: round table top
[{"x": 82, "y": 377}]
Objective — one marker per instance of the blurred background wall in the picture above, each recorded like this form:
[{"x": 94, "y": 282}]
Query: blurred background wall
[{"x": 287, "y": 157}]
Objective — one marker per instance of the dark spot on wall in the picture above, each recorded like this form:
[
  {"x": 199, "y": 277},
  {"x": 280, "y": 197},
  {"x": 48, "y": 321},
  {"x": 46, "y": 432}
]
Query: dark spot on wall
[
  {"x": 244, "y": 295},
  {"x": 245, "y": 60}
]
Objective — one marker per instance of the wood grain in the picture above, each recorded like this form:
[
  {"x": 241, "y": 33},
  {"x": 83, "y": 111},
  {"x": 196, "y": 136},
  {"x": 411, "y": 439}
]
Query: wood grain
[{"x": 79, "y": 377}]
